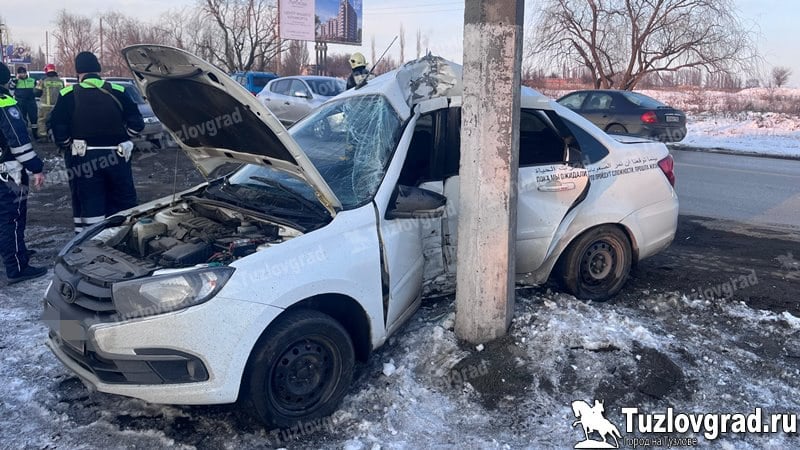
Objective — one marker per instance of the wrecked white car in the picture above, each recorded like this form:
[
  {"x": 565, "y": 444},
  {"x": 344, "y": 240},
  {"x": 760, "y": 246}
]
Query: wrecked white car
[{"x": 266, "y": 284}]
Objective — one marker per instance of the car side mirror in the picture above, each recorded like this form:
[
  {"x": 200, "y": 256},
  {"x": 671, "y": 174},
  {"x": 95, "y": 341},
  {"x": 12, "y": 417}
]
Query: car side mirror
[
  {"x": 410, "y": 202},
  {"x": 301, "y": 94}
]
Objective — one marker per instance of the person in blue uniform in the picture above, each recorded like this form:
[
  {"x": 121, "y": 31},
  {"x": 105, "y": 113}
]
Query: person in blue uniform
[
  {"x": 17, "y": 157},
  {"x": 92, "y": 122}
]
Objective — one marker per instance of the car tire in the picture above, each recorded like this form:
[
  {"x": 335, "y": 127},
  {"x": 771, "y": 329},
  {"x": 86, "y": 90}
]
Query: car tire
[
  {"x": 300, "y": 369},
  {"x": 596, "y": 265},
  {"x": 616, "y": 129}
]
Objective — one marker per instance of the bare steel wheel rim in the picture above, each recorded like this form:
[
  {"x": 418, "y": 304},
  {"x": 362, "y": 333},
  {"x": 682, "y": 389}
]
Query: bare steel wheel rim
[
  {"x": 599, "y": 263},
  {"x": 304, "y": 376}
]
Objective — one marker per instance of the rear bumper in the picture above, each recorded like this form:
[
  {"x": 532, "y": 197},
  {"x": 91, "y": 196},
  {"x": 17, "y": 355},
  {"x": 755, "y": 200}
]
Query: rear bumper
[{"x": 654, "y": 226}]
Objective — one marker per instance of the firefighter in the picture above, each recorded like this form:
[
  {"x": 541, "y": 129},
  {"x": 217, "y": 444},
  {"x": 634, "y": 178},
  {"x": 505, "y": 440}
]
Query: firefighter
[
  {"x": 48, "y": 90},
  {"x": 26, "y": 97},
  {"x": 359, "y": 65},
  {"x": 92, "y": 122},
  {"x": 16, "y": 158}
]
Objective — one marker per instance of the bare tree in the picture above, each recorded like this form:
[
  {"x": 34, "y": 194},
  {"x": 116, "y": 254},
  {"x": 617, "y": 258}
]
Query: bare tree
[
  {"x": 622, "y": 41},
  {"x": 402, "y": 43},
  {"x": 780, "y": 75},
  {"x": 296, "y": 58},
  {"x": 419, "y": 43},
  {"x": 242, "y": 33},
  {"x": 339, "y": 65},
  {"x": 74, "y": 33}
]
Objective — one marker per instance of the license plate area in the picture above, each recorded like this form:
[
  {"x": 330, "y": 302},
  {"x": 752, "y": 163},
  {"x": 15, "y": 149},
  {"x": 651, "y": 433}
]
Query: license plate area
[{"x": 673, "y": 118}]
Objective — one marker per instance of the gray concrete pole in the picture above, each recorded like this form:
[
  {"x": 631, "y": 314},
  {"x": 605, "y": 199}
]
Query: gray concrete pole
[{"x": 487, "y": 224}]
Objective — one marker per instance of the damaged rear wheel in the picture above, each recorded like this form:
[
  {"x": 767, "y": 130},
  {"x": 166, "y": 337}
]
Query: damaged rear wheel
[
  {"x": 596, "y": 265},
  {"x": 300, "y": 369}
]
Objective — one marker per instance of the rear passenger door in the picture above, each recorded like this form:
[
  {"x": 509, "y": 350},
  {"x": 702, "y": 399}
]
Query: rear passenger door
[
  {"x": 276, "y": 101},
  {"x": 599, "y": 108},
  {"x": 552, "y": 180}
]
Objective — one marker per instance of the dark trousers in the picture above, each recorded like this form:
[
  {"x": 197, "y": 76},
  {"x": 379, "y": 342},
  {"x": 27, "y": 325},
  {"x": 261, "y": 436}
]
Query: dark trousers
[
  {"x": 27, "y": 106},
  {"x": 101, "y": 183},
  {"x": 13, "y": 217}
]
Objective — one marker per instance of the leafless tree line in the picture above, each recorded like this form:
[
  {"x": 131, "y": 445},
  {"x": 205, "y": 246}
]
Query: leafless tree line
[
  {"x": 620, "y": 43},
  {"x": 233, "y": 34}
]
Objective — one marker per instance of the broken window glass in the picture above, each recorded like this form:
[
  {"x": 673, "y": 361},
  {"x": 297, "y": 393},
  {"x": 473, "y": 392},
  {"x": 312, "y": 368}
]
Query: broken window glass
[{"x": 350, "y": 142}]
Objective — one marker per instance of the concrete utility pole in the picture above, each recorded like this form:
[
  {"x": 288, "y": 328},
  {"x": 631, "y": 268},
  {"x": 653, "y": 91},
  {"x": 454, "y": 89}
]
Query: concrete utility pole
[{"x": 487, "y": 226}]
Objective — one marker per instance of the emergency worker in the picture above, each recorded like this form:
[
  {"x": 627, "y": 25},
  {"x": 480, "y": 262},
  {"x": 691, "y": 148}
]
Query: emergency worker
[
  {"x": 16, "y": 158},
  {"x": 359, "y": 65},
  {"x": 26, "y": 97},
  {"x": 92, "y": 122},
  {"x": 48, "y": 89}
]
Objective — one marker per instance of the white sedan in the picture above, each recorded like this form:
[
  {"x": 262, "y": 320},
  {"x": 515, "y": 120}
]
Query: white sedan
[{"x": 265, "y": 285}]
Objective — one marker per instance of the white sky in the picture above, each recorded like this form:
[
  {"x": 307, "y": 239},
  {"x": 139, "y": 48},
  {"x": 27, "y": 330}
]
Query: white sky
[{"x": 439, "y": 21}]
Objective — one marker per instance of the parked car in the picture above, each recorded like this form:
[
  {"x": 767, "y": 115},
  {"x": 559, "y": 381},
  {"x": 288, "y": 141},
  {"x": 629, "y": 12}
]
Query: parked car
[
  {"x": 254, "y": 81},
  {"x": 266, "y": 284},
  {"x": 153, "y": 131},
  {"x": 626, "y": 112},
  {"x": 291, "y": 98}
]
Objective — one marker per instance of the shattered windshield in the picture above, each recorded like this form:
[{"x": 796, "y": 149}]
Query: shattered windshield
[{"x": 349, "y": 141}]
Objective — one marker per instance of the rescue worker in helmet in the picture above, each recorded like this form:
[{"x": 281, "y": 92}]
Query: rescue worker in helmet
[
  {"x": 48, "y": 89},
  {"x": 26, "y": 97},
  {"x": 16, "y": 159},
  {"x": 360, "y": 73}
]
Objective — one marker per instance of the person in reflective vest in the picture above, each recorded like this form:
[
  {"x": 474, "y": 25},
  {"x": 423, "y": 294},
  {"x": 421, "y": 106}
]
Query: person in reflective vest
[
  {"x": 92, "y": 122},
  {"x": 48, "y": 89},
  {"x": 26, "y": 97},
  {"x": 16, "y": 159}
]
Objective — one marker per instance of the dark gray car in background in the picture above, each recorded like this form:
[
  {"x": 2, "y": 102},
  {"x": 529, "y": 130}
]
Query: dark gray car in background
[{"x": 628, "y": 113}]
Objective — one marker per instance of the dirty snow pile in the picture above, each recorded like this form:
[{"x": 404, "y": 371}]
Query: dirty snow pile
[{"x": 424, "y": 387}]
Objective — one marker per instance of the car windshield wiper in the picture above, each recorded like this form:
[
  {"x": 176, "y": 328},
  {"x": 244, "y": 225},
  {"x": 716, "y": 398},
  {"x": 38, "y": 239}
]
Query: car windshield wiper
[{"x": 316, "y": 208}]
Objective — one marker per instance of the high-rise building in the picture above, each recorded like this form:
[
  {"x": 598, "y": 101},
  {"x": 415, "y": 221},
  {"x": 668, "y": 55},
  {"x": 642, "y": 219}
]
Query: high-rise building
[{"x": 347, "y": 22}]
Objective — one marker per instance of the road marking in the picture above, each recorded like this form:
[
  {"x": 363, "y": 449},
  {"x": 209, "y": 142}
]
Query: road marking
[{"x": 771, "y": 174}]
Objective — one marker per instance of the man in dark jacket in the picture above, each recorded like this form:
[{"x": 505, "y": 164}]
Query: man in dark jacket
[
  {"x": 93, "y": 122},
  {"x": 16, "y": 158},
  {"x": 26, "y": 97}
]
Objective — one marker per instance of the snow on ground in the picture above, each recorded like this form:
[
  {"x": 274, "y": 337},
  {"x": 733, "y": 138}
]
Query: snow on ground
[
  {"x": 424, "y": 389},
  {"x": 774, "y": 134}
]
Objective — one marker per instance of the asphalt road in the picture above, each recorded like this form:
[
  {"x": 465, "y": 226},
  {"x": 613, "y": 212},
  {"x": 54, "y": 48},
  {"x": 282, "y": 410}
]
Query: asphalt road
[{"x": 761, "y": 191}]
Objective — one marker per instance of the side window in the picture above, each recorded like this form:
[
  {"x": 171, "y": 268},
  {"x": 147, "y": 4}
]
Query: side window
[
  {"x": 538, "y": 142},
  {"x": 298, "y": 87},
  {"x": 592, "y": 150},
  {"x": 574, "y": 101},
  {"x": 600, "y": 101},
  {"x": 281, "y": 87},
  {"x": 417, "y": 166}
]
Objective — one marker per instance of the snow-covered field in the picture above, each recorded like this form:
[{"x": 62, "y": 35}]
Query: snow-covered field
[{"x": 425, "y": 390}]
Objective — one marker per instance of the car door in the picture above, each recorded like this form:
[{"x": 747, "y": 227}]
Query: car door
[
  {"x": 599, "y": 109},
  {"x": 299, "y": 101},
  {"x": 551, "y": 181},
  {"x": 277, "y": 99},
  {"x": 401, "y": 244}
]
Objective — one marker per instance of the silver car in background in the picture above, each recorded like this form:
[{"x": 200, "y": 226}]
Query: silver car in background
[{"x": 291, "y": 98}]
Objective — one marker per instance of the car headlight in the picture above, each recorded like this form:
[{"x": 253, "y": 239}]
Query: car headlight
[
  {"x": 165, "y": 293},
  {"x": 150, "y": 120}
]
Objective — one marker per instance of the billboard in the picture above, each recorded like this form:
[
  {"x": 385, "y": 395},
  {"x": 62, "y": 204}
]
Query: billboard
[
  {"x": 297, "y": 19},
  {"x": 339, "y": 21}
]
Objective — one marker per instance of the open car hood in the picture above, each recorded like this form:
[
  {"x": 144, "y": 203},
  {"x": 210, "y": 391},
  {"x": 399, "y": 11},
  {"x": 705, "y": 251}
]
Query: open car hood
[{"x": 216, "y": 120}]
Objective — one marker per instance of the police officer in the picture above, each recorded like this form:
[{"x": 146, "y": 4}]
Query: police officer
[
  {"x": 16, "y": 155},
  {"x": 359, "y": 65},
  {"x": 26, "y": 97},
  {"x": 48, "y": 89},
  {"x": 93, "y": 122}
]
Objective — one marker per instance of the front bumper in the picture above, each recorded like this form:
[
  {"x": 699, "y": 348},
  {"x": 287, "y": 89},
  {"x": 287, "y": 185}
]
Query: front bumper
[{"x": 192, "y": 357}]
